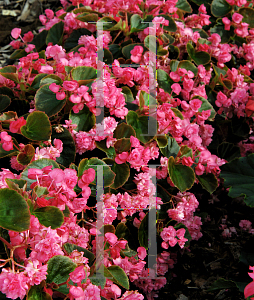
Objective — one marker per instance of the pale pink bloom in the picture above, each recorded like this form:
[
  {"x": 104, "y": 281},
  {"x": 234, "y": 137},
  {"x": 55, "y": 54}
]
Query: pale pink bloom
[
  {"x": 92, "y": 292},
  {"x": 141, "y": 253},
  {"x": 76, "y": 292},
  {"x": 71, "y": 85},
  {"x": 13, "y": 285},
  {"x": 132, "y": 295},
  {"x": 35, "y": 271},
  {"x": 78, "y": 274},
  {"x": 237, "y": 18},
  {"x": 15, "y": 33}
]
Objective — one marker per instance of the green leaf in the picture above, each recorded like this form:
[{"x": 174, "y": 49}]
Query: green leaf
[
  {"x": 189, "y": 66},
  {"x": 10, "y": 72},
  {"x": 40, "y": 191},
  {"x": 239, "y": 175},
  {"x": 162, "y": 141},
  {"x": 228, "y": 151},
  {"x": 137, "y": 23},
  {"x": 164, "y": 81},
  {"x": 98, "y": 278},
  {"x": 128, "y": 93},
  {"x": 5, "y": 101},
  {"x": 108, "y": 174},
  {"x": 152, "y": 43},
  {"x": 220, "y": 8},
  {"x": 209, "y": 182},
  {"x": 225, "y": 35},
  {"x": 122, "y": 231},
  {"x": 116, "y": 51},
  {"x": 45, "y": 100},
  {"x": 206, "y": 106},
  {"x": 14, "y": 211},
  {"x": 122, "y": 145},
  {"x": 123, "y": 131},
  {"x": 86, "y": 17},
  {"x": 171, "y": 149},
  {"x": 107, "y": 55},
  {"x": 18, "y": 182},
  {"x": 4, "y": 90},
  {"x": 117, "y": 275},
  {"x": 49, "y": 216},
  {"x": 122, "y": 172},
  {"x": 182, "y": 176},
  {"x": 67, "y": 156},
  {"x": 59, "y": 268},
  {"x": 84, "y": 119},
  {"x": 37, "y": 164},
  {"x": 18, "y": 54},
  {"x": 248, "y": 15},
  {"x": 110, "y": 23},
  {"x": 37, "y": 127},
  {"x": 88, "y": 254},
  {"x": 84, "y": 73},
  {"x": 40, "y": 40},
  {"x": 51, "y": 79},
  {"x": 143, "y": 234},
  {"x": 184, "y": 5},
  {"x": 140, "y": 125},
  {"x": 199, "y": 57},
  {"x": 25, "y": 157},
  {"x": 185, "y": 151},
  {"x": 103, "y": 147},
  {"x": 72, "y": 40},
  {"x": 55, "y": 34},
  {"x": 37, "y": 80},
  {"x": 171, "y": 23},
  {"x": 36, "y": 292},
  {"x": 222, "y": 284}
]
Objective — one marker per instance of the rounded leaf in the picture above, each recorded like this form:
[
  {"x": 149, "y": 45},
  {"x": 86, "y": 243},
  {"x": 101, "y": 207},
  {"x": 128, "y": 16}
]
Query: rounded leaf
[
  {"x": 122, "y": 172},
  {"x": 14, "y": 211},
  {"x": 45, "y": 100},
  {"x": 37, "y": 127},
  {"x": 182, "y": 176},
  {"x": 220, "y": 8},
  {"x": 49, "y": 216}
]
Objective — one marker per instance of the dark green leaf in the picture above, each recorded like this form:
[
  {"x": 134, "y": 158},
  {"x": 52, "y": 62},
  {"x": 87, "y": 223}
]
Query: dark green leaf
[
  {"x": 37, "y": 79},
  {"x": 84, "y": 119},
  {"x": 72, "y": 40},
  {"x": 137, "y": 23},
  {"x": 40, "y": 40},
  {"x": 67, "y": 156},
  {"x": 182, "y": 176},
  {"x": 59, "y": 268},
  {"x": 248, "y": 15},
  {"x": 228, "y": 151},
  {"x": 10, "y": 72},
  {"x": 171, "y": 149},
  {"x": 209, "y": 182},
  {"x": 5, "y": 101},
  {"x": 122, "y": 172},
  {"x": 220, "y": 8},
  {"x": 49, "y": 216},
  {"x": 45, "y": 100},
  {"x": 88, "y": 254},
  {"x": 128, "y": 93},
  {"x": 171, "y": 23},
  {"x": 164, "y": 81},
  {"x": 117, "y": 275},
  {"x": 222, "y": 284},
  {"x": 239, "y": 175},
  {"x": 36, "y": 292},
  {"x": 37, "y": 127},
  {"x": 109, "y": 151},
  {"x": 189, "y": 66},
  {"x": 14, "y": 211},
  {"x": 18, "y": 54},
  {"x": 51, "y": 79},
  {"x": 184, "y": 5},
  {"x": 123, "y": 131},
  {"x": 55, "y": 34}
]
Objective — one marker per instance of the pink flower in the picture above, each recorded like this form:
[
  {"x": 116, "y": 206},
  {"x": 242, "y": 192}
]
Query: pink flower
[
  {"x": 237, "y": 18},
  {"x": 13, "y": 285},
  {"x": 121, "y": 158},
  {"x": 78, "y": 274},
  {"x": 35, "y": 271},
  {"x": 15, "y": 33},
  {"x": 6, "y": 141},
  {"x": 28, "y": 37},
  {"x": 176, "y": 88},
  {"x": 16, "y": 125},
  {"x": 141, "y": 252},
  {"x": 71, "y": 85},
  {"x": 136, "y": 54}
]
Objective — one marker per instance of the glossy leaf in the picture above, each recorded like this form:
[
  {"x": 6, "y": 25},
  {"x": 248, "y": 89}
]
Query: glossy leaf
[
  {"x": 45, "y": 100},
  {"x": 67, "y": 156},
  {"x": 208, "y": 181},
  {"x": 122, "y": 145},
  {"x": 199, "y": 57},
  {"x": 140, "y": 125},
  {"x": 164, "y": 81},
  {"x": 14, "y": 211},
  {"x": 51, "y": 79},
  {"x": 49, "y": 216},
  {"x": 239, "y": 175},
  {"x": 137, "y": 23},
  {"x": 5, "y": 101},
  {"x": 182, "y": 176},
  {"x": 220, "y": 8},
  {"x": 84, "y": 119},
  {"x": 184, "y": 5},
  {"x": 171, "y": 149},
  {"x": 108, "y": 174},
  {"x": 25, "y": 157},
  {"x": 88, "y": 254},
  {"x": 37, "y": 127},
  {"x": 72, "y": 40},
  {"x": 123, "y": 131},
  {"x": 59, "y": 268},
  {"x": 122, "y": 172},
  {"x": 189, "y": 66},
  {"x": 55, "y": 34},
  {"x": 37, "y": 80},
  {"x": 36, "y": 292},
  {"x": 117, "y": 275}
]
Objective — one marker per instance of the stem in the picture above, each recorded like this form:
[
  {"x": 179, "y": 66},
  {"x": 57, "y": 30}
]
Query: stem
[
  {"x": 6, "y": 243},
  {"x": 116, "y": 37}
]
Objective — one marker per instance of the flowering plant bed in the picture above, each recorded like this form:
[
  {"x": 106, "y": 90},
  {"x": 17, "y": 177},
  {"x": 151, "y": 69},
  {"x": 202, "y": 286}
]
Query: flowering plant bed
[{"x": 116, "y": 119}]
